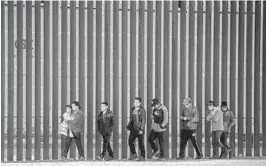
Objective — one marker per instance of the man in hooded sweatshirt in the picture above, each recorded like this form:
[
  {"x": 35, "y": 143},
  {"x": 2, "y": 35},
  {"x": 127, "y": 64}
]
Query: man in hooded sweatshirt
[
  {"x": 229, "y": 122},
  {"x": 215, "y": 116},
  {"x": 159, "y": 118},
  {"x": 189, "y": 122}
]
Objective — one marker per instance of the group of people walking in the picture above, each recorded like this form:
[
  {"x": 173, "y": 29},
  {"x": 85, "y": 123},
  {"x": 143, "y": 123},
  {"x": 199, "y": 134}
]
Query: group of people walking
[{"x": 220, "y": 117}]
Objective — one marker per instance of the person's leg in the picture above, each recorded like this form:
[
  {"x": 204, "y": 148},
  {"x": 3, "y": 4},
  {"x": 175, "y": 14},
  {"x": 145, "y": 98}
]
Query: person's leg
[
  {"x": 161, "y": 142},
  {"x": 109, "y": 148},
  {"x": 183, "y": 142},
  {"x": 141, "y": 145},
  {"x": 131, "y": 139},
  {"x": 222, "y": 140},
  {"x": 215, "y": 144},
  {"x": 66, "y": 145},
  {"x": 77, "y": 138},
  {"x": 194, "y": 142},
  {"x": 151, "y": 139},
  {"x": 104, "y": 145}
]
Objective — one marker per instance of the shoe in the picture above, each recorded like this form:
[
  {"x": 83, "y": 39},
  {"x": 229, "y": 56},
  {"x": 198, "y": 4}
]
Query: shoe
[
  {"x": 161, "y": 158},
  {"x": 63, "y": 158},
  {"x": 110, "y": 158},
  {"x": 141, "y": 158},
  {"x": 100, "y": 157},
  {"x": 133, "y": 157},
  {"x": 81, "y": 159},
  {"x": 154, "y": 153},
  {"x": 180, "y": 158},
  {"x": 214, "y": 157},
  {"x": 199, "y": 156}
]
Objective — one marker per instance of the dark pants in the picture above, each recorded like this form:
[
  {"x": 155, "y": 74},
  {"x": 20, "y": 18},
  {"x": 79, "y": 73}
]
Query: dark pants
[
  {"x": 67, "y": 142},
  {"x": 132, "y": 136},
  {"x": 106, "y": 145},
  {"x": 152, "y": 137},
  {"x": 185, "y": 136},
  {"x": 216, "y": 143},
  {"x": 223, "y": 140}
]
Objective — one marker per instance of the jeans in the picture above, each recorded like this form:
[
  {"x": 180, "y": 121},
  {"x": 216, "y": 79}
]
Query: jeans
[
  {"x": 132, "y": 136},
  {"x": 152, "y": 137},
  {"x": 106, "y": 145},
  {"x": 216, "y": 143},
  {"x": 67, "y": 142},
  {"x": 185, "y": 136}
]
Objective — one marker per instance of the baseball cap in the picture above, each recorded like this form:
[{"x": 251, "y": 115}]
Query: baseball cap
[
  {"x": 210, "y": 103},
  {"x": 154, "y": 102}
]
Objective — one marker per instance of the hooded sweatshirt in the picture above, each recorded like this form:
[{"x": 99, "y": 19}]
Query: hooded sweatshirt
[
  {"x": 229, "y": 120},
  {"x": 193, "y": 118},
  {"x": 216, "y": 118}
]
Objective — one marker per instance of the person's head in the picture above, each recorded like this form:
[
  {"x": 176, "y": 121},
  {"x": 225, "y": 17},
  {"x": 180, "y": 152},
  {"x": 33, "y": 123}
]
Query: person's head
[
  {"x": 187, "y": 102},
  {"x": 137, "y": 102},
  {"x": 155, "y": 103},
  {"x": 68, "y": 108},
  {"x": 75, "y": 105},
  {"x": 210, "y": 105},
  {"x": 224, "y": 106},
  {"x": 104, "y": 106}
]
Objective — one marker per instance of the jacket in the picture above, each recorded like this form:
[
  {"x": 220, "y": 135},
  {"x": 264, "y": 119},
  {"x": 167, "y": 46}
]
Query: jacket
[
  {"x": 77, "y": 122},
  {"x": 193, "y": 118},
  {"x": 141, "y": 120},
  {"x": 159, "y": 119},
  {"x": 216, "y": 119},
  {"x": 105, "y": 122},
  {"x": 229, "y": 120}
]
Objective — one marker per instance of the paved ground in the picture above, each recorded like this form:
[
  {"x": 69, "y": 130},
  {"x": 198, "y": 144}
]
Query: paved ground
[{"x": 188, "y": 162}]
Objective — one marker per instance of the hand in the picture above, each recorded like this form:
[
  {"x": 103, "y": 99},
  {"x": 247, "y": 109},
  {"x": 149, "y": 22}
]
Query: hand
[
  {"x": 185, "y": 118},
  {"x": 140, "y": 132},
  {"x": 182, "y": 118}
]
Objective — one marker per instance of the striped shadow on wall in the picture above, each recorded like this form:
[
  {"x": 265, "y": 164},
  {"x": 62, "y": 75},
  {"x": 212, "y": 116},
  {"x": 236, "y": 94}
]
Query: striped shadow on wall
[{"x": 56, "y": 52}]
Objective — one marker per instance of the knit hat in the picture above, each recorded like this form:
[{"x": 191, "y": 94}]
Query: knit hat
[{"x": 224, "y": 104}]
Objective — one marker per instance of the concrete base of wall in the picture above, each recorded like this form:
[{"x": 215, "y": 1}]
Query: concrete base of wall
[{"x": 205, "y": 162}]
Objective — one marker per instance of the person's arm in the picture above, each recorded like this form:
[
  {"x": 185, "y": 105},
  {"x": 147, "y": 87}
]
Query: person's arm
[
  {"x": 210, "y": 116},
  {"x": 195, "y": 117},
  {"x": 111, "y": 120},
  {"x": 143, "y": 118},
  {"x": 232, "y": 120},
  {"x": 165, "y": 119},
  {"x": 67, "y": 117},
  {"x": 77, "y": 118}
]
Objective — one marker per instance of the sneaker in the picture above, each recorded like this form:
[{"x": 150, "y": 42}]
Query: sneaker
[
  {"x": 133, "y": 157},
  {"x": 154, "y": 154},
  {"x": 180, "y": 158},
  {"x": 63, "y": 158},
  {"x": 110, "y": 158},
  {"x": 100, "y": 157},
  {"x": 81, "y": 159},
  {"x": 161, "y": 158},
  {"x": 214, "y": 157},
  {"x": 141, "y": 158},
  {"x": 199, "y": 156}
]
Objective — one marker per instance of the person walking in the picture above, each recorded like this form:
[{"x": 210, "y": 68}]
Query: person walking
[
  {"x": 229, "y": 122},
  {"x": 189, "y": 121},
  {"x": 76, "y": 127},
  {"x": 215, "y": 116},
  {"x": 136, "y": 126},
  {"x": 105, "y": 121},
  {"x": 159, "y": 118}
]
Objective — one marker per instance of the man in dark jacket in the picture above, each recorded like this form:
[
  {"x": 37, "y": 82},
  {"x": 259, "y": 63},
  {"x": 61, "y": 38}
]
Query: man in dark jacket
[
  {"x": 229, "y": 122},
  {"x": 189, "y": 121},
  {"x": 76, "y": 127},
  {"x": 159, "y": 118},
  {"x": 105, "y": 123},
  {"x": 136, "y": 126}
]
